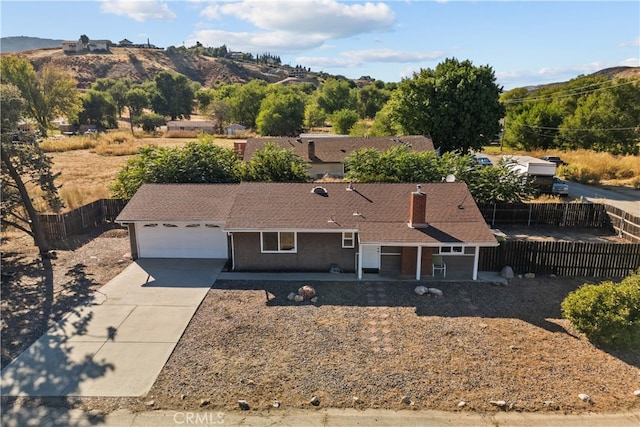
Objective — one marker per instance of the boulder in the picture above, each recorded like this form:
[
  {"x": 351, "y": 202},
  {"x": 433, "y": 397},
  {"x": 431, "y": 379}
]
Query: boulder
[
  {"x": 637, "y": 393},
  {"x": 421, "y": 290},
  {"x": 498, "y": 403},
  {"x": 585, "y": 398},
  {"x": 462, "y": 404},
  {"x": 298, "y": 298},
  {"x": 291, "y": 296},
  {"x": 315, "y": 401},
  {"x": 406, "y": 400},
  {"x": 507, "y": 272},
  {"x": 243, "y": 404},
  {"x": 307, "y": 292},
  {"x": 530, "y": 276},
  {"x": 435, "y": 291}
]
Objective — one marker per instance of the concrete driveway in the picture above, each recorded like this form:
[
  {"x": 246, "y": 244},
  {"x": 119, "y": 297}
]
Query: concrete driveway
[{"x": 117, "y": 343}]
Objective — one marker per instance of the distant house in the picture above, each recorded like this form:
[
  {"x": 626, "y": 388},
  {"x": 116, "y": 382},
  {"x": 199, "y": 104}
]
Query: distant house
[
  {"x": 72, "y": 46},
  {"x": 325, "y": 154},
  {"x": 235, "y": 128},
  {"x": 125, "y": 43},
  {"x": 198, "y": 126},
  {"x": 99, "y": 45},
  {"x": 396, "y": 230}
]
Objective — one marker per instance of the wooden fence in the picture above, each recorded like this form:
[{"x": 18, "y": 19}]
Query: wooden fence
[
  {"x": 593, "y": 215},
  {"x": 563, "y": 258},
  {"x": 80, "y": 220}
]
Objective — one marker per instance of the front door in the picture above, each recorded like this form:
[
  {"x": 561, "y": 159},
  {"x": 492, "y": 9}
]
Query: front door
[{"x": 370, "y": 257}]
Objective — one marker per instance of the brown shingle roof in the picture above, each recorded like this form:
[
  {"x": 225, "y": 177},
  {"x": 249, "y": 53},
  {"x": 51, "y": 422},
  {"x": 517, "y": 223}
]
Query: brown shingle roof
[
  {"x": 335, "y": 149},
  {"x": 378, "y": 211},
  {"x": 180, "y": 202}
]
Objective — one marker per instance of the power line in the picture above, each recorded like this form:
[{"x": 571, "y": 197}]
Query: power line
[
  {"x": 568, "y": 93},
  {"x": 584, "y": 129}
]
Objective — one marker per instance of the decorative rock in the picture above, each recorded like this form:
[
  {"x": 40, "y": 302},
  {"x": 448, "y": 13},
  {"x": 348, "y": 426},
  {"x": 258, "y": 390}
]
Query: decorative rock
[
  {"x": 307, "y": 292},
  {"x": 406, "y": 400},
  {"x": 315, "y": 401},
  {"x": 150, "y": 403},
  {"x": 498, "y": 403},
  {"x": 507, "y": 272},
  {"x": 243, "y": 404},
  {"x": 530, "y": 276},
  {"x": 435, "y": 291},
  {"x": 637, "y": 393},
  {"x": 357, "y": 400},
  {"x": 314, "y": 300},
  {"x": 183, "y": 396},
  {"x": 552, "y": 275},
  {"x": 421, "y": 290},
  {"x": 549, "y": 403},
  {"x": 276, "y": 403},
  {"x": 204, "y": 402},
  {"x": 298, "y": 298},
  {"x": 462, "y": 404},
  {"x": 291, "y": 296},
  {"x": 585, "y": 398}
]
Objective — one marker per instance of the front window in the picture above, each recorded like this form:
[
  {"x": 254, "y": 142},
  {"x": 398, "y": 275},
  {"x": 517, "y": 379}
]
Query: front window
[
  {"x": 278, "y": 241},
  {"x": 451, "y": 250},
  {"x": 348, "y": 239}
]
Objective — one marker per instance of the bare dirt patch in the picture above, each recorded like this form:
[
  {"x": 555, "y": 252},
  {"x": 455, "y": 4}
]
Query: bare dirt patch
[
  {"x": 380, "y": 341},
  {"x": 553, "y": 233}
]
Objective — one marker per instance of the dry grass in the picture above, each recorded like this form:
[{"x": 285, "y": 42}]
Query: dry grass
[
  {"x": 589, "y": 166},
  {"x": 68, "y": 143}
]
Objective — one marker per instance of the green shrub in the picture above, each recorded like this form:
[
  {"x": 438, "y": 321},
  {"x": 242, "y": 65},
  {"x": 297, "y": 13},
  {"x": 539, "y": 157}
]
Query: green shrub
[{"x": 608, "y": 313}]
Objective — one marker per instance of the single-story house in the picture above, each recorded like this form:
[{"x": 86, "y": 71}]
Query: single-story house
[
  {"x": 99, "y": 45},
  {"x": 392, "y": 229},
  {"x": 326, "y": 155},
  {"x": 74, "y": 46},
  {"x": 204, "y": 126}
]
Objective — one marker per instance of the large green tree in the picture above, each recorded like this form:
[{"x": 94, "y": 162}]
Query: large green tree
[
  {"x": 457, "y": 104},
  {"x": 26, "y": 171},
  {"x": 197, "y": 162},
  {"x": 275, "y": 164},
  {"x": 281, "y": 114},
  {"x": 47, "y": 94},
  {"x": 336, "y": 95},
  {"x": 172, "y": 96},
  {"x": 98, "y": 109},
  {"x": 398, "y": 164},
  {"x": 136, "y": 100},
  {"x": 245, "y": 102}
]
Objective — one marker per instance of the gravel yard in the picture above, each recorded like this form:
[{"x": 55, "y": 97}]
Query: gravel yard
[
  {"x": 380, "y": 342},
  {"x": 377, "y": 342}
]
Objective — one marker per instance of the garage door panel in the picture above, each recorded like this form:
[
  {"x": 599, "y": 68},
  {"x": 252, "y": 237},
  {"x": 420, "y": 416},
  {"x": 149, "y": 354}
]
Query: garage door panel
[{"x": 181, "y": 242}]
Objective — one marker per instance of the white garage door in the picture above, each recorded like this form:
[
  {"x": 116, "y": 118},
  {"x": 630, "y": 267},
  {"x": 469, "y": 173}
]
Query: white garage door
[{"x": 181, "y": 241}]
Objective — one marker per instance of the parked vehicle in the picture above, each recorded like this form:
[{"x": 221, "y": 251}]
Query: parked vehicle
[
  {"x": 542, "y": 170},
  {"x": 559, "y": 187},
  {"x": 483, "y": 161},
  {"x": 554, "y": 159}
]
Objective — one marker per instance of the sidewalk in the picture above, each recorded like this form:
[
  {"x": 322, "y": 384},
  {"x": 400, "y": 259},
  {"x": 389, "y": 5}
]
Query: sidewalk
[{"x": 56, "y": 417}]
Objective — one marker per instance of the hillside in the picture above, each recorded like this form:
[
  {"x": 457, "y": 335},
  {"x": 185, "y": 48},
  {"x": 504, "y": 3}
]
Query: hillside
[
  {"x": 22, "y": 43},
  {"x": 140, "y": 65}
]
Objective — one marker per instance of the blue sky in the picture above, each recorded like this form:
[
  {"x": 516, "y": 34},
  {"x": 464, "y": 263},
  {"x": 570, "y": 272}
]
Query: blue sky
[{"x": 526, "y": 43}]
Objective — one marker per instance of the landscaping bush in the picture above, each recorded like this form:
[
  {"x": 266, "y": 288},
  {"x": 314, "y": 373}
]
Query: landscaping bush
[{"x": 608, "y": 313}]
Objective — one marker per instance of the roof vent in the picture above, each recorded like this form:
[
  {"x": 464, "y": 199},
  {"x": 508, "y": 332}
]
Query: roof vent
[
  {"x": 350, "y": 187},
  {"x": 320, "y": 191}
]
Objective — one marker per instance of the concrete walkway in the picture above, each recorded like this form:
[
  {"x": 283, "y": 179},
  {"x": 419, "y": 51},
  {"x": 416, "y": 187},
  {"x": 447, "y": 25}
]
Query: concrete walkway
[
  {"x": 57, "y": 417},
  {"x": 117, "y": 343}
]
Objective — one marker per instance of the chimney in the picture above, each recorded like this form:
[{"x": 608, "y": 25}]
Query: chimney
[
  {"x": 312, "y": 150},
  {"x": 417, "y": 209}
]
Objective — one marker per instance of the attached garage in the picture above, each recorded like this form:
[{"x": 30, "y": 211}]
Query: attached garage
[{"x": 180, "y": 240}]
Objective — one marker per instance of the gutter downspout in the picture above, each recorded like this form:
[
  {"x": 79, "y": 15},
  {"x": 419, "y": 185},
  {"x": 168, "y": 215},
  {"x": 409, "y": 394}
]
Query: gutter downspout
[
  {"x": 476, "y": 259},
  {"x": 419, "y": 263}
]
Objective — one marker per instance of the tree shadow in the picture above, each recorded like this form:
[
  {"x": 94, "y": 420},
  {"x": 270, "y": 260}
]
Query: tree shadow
[{"x": 536, "y": 302}]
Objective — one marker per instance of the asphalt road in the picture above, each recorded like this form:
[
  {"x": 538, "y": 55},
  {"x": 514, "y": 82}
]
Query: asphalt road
[{"x": 627, "y": 200}]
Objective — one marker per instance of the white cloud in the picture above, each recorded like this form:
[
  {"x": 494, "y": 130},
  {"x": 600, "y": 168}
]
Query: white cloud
[
  {"x": 139, "y": 10},
  {"x": 293, "y": 25},
  {"x": 318, "y": 17},
  {"x": 630, "y": 62},
  {"x": 279, "y": 41},
  {"x": 358, "y": 58},
  {"x": 634, "y": 42}
]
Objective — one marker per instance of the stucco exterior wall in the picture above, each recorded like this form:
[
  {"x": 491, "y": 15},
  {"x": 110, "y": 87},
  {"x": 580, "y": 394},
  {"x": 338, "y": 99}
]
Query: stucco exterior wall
[{"x": 315, "y": 252}]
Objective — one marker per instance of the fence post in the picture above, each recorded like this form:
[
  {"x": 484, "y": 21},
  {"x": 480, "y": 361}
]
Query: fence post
[
  {"x": 564, "y": 215},
  {"x": 529, "y": 219},
  {"x": 64, "y": 227},
  {"x": 493, "y": 218}
]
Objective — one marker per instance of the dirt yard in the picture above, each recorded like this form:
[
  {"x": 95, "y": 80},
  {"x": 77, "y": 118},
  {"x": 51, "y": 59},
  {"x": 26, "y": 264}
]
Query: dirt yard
[{"x": 377, "y": 342}]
